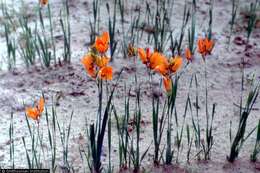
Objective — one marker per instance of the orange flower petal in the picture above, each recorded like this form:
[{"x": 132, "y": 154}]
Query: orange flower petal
[
  {"x": 188, "y": 54},
  {"x": 175, "y": 63},
  {"x": 148, "y": 54},
  {"x": 167, "y": 83},
  {"x": 106, "y": 73},
  {"x": 88, "y": 62},
  {"x": 105, "y": 37},
  {"x": 40, "y": 105},
  {"x": 142, "y": 55},
  {"x": 209, "y": 44}
]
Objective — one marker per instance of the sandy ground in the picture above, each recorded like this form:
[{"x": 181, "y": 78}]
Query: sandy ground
[{"x": 78, "y": 92}]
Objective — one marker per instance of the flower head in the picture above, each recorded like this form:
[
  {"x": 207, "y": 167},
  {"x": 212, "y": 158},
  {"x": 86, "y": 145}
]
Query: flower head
[
  {"x": 36, "y": 111},
  {"x": 205, "y": 46},
  {"x": 88, "y": 62},
  {"x": 201, "y": 46},
  {"x": 106, "y": 73},
  {"x": 102, "y": 42},
  {"x": 43, "y": 2}
]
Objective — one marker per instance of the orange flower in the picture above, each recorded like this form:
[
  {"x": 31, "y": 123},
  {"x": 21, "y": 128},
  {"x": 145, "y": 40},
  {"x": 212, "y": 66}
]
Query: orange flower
[
  {"x": 144, "y": 55},
  {"x": 88, "y": 62},
  {"x": 201, "y": 47},
  {"x": 205, "y": 46},
  {"x": 188, "y": 54},
  {"x": 43, "y": 2},
  {"x": 106, "y": 73},
  {"x": 167, "y": 82},
  {"x": 158, "y": 59},
  {"x": 175, "y": 63},
  {"x": 35, "y": 112},
  {"x": 101, "y": 43}
]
